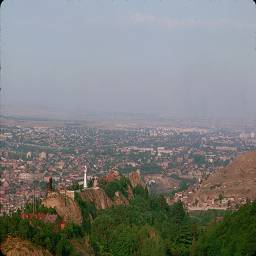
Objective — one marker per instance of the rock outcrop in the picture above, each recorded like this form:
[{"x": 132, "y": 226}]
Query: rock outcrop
[
  {"x": 136, "y": 180},
  {"x": 101, "y": 200},
  {"x": 98, "y": 197},
  {"x": 14, "y": 246},
  {"x": 65, "y": 207},
  {"x": 112, "y": 175}
]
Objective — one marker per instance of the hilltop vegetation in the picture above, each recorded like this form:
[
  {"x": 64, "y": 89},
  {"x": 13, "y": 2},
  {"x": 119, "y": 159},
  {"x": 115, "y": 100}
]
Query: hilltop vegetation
[
  {"x": 144, "y": 227},
  {"x": 147, "y": 226},
  {"x": 17, "y": 246},
  {"x": 39, "y": 233}
]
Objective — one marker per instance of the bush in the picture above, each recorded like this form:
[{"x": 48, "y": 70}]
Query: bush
[{"x": 118, "y": 185}]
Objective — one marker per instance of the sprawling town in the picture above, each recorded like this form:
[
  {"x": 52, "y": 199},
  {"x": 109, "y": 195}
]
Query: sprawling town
[{"x": 171, "y": 159}]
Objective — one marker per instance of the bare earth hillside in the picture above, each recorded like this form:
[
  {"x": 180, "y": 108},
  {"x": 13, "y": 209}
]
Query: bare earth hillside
[{"x": 234, "y": 184}]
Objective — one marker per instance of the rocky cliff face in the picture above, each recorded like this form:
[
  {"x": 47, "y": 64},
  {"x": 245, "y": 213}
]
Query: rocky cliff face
[
  {"x": 18, "y": 247},
  {"x": 71, "y": 212},
  {"x": 65, "y": 207},
  {"x": 112, "y": 175},
  {"x": 136, "y": 180},
  {"x": 98, "y": 197},
  {"x": 101, "y": 200}
]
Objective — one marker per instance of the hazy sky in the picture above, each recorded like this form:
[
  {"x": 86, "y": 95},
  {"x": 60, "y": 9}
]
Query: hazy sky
[{"x": 187, "y": 58}]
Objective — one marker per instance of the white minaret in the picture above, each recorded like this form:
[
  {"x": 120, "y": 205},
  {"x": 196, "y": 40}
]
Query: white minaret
[{"x": 85, "y": 177}]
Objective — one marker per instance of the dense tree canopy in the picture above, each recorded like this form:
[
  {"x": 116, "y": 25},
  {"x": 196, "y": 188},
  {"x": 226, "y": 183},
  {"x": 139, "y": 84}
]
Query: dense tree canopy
[
  {"x": 236, "y": 235},
  {"x": 147, "y": 226}
]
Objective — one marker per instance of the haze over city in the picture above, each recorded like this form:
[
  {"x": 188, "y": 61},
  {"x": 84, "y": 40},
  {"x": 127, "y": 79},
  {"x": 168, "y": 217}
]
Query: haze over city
[
  {"x": 127, "y": 128},
  {"x": 188, "y": 59}
]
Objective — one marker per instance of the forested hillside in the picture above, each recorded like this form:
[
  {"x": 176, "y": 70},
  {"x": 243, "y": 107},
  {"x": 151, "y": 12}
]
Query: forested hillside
[
  {"x": 146, "y": 226},
  {"x": 236, "y": 235}
]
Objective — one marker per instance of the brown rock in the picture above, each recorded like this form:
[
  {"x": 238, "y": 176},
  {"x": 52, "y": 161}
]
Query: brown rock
[
  {"x": 112, "y": 176},
  {"x": 97, "y": 197},
  {"x": 65, "y": 207},
  {"x": 136, "y": 179}
]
